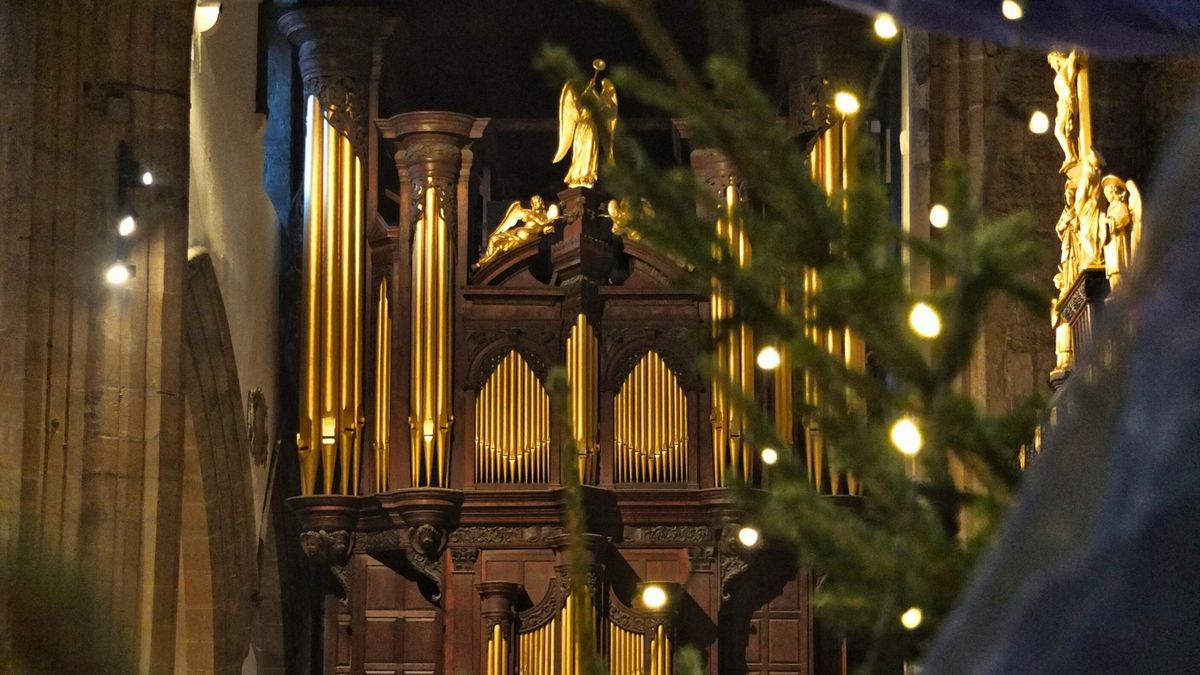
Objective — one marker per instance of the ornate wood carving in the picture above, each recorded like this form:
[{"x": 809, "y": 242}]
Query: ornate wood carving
[
  {"x": 669, "y": 535},
  {"x": 502, "y": 536}
]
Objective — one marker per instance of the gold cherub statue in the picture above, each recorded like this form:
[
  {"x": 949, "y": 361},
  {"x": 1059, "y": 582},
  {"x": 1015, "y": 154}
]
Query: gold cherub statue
[
  {"x": 538, "y": 219},
  {"x": 579, "y": 131}
]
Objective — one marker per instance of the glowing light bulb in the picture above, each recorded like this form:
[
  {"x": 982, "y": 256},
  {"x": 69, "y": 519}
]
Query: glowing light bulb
[
  {"x": 768, "y": 358},
  {"x": 769, "y": 456},
  {"x": 748, "y": 536},
  {"x": 906, "y": 436},
  {"x": 126, "y": 226},
  {"x": 925, "y": 321},
  {"x": 885, "y": 26},
  {"x": 846, "y": 103},
  {"x": 147, "y": 178},
  {"x": 207, "y": 14},
  {"x": 1012, "y": 10},
  {"x": 1039, "y": 122},
  {"x": 654, "y": 596},
  {"x": 939, "y": 216},
  {"x": 911, "y": 618},
  {"x": 117, "y": 274}
]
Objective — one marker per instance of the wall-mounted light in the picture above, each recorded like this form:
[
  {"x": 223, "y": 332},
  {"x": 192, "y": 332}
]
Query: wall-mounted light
[
  {"x": 207, "y": 14},
  {"x": 118, "y": 273},
  {"x": 127, "y": 225}
]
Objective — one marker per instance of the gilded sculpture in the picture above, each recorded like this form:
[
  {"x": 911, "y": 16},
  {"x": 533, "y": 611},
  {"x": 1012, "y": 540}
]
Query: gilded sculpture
[
  {"x": 1120, "y": 226},
  {"x": 579, "y": 130},
  {"x": 519, "y": 225},
  {"x": 1065, "y": 85},
  {"x": 1100, "y": 223}
]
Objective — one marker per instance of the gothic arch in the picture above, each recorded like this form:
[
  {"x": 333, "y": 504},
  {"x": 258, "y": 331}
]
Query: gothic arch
[{"x": 217, "y": 525}]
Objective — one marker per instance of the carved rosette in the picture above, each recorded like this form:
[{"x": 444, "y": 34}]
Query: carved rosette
[{"x": 335, "y": 45}]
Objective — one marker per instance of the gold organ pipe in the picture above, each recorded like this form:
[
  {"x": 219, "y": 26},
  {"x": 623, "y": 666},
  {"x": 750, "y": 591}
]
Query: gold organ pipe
[
  {"x": 331, "y": 415},
  {"x": 650, "y": 425},
  {"x": 383, "y": 386},
  {"x": 308, "y": 440},
  {"x": 582, "y": 375},
  {"x": 512, "y": 426}
]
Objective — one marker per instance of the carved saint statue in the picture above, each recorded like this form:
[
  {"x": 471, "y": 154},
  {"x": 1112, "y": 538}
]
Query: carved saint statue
[
  {"x": 579, "y": 132},
  {"x": 1066, "y": 73},
  {"x": 1120, "y": 224},
  {"x": 519, "y": 225},
  {"x": 1062, "y": 329},
  {"x": 1088, "y": 212},
  {"x": 1068, "y": 234}
]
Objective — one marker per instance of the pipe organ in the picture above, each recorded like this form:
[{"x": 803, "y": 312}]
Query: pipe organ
[
  {"x": 455, "y": 560},
  {"x": 330, "y": 436},
  {"x": 383, "y": 387},
  {"x": 650, "y": 425},
  {"x": 828, "y": 161},
  {"x": 582, "y": 366},
  {"x": 512, "y": 426},
  {"x": 734, "y": 380}
]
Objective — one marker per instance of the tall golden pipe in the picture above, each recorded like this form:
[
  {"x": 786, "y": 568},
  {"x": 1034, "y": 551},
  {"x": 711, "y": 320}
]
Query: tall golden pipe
[
  {"x": 308, "y": 439},
  {"x": 331, "y": 364},
  {"x": 582, "y": 374},
  {"x": 735, "y": 356},
  {"x": 383, "y": 387},
  {"x": 431, "y": 418}
]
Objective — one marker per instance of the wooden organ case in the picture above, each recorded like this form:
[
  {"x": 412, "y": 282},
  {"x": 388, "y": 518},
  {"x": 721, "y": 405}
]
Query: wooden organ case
[{"x": 452, "y": 554}]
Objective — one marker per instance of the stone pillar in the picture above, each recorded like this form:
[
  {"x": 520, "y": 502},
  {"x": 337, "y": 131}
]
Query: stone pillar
[
  {"x": 335, "y": 45},
  {"x": 429, "y": 152}
]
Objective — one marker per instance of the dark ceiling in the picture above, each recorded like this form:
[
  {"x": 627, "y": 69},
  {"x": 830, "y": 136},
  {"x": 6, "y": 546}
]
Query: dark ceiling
[{"x": 476, "y": 56}]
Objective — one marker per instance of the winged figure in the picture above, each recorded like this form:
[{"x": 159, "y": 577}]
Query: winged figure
[
  {"x": 519, "y": 225},
  {"x": 1121, "y": 225},
  {"x": 579, "y": 132}
]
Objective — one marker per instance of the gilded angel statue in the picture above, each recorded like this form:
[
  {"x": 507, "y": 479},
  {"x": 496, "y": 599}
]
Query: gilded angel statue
[
  {"x": 578, "y": 130},
  {"x": 1121, "y": 226},
  {"x": 519, "y": 225}
]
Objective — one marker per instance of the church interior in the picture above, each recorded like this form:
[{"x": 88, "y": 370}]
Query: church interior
[{"x": 319, "y": 319}]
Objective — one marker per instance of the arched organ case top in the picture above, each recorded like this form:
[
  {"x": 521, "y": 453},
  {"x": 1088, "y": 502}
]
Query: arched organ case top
[
  {"x": 512, "y": 425},
  {"x": 650, "y": 425}
]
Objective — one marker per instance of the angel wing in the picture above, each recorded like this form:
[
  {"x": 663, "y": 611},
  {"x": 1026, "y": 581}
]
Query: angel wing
[
  {"x": 1135, "y": 219},
  {"x": 568, "y": 117},
  {"x": 608, "y": 101},
  {"x": 512, "y": 216}
]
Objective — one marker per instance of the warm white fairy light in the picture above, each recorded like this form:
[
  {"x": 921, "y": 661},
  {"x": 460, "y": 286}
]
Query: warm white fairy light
[
  {"x": 846, "y": 103},
  {"x": 911, "y": 618},
  {"x": 1039, "y": 122},
  {"x": 748, "y": 536},
  {"x": 925, "y": 320},
  {"x": 906, "y": 436},
  {"x": 885, "y": 26},
  {"x": 147, "y": 178},
  {"x": 939, "y": 216},
  {"x": 1012, "y": 10},
  {"x": 769, "y": 455},
  {"x": 768, "y": 358}
]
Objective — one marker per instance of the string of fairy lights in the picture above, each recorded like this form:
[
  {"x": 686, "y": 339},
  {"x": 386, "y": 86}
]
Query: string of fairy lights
[{"x": 923, "y": 318}]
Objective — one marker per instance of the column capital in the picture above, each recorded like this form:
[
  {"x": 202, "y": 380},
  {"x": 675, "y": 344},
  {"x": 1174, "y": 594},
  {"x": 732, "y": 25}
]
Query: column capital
[{"x": 335, "y": 45}]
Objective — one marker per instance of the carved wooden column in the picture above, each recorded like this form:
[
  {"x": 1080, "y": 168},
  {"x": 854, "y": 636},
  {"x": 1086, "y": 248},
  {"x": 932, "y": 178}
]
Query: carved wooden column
[
  {"x": 498, "y": 612},
  {"x": 583, "y": 258},
  {"x": 429, "y": 146},
  {"x": 334, "y": 51},
  {"x": 577, "y": 609}
]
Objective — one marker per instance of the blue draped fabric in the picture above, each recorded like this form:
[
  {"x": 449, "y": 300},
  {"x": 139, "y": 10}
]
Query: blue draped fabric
[{"x": 1117, "y": 28}]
